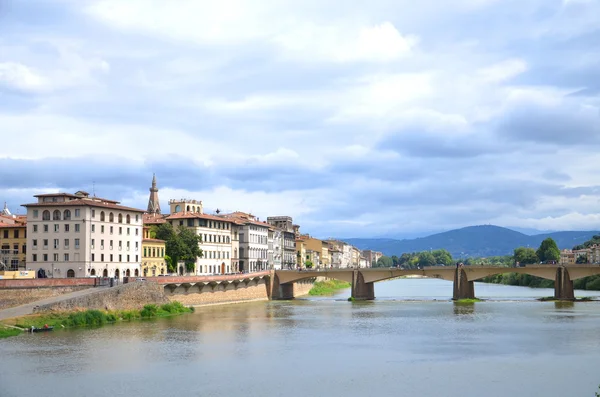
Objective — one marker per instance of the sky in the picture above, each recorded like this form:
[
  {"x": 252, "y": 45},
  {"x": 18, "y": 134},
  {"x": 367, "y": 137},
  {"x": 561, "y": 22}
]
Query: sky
[{"x": 358, "y": 119}]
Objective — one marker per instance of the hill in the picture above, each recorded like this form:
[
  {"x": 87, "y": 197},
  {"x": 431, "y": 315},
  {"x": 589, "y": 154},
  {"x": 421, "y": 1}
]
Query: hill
[{"x": 474, "y": 241}]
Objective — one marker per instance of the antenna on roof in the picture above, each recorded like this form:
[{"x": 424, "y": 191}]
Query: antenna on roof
[{"x": 94, "y": 188}]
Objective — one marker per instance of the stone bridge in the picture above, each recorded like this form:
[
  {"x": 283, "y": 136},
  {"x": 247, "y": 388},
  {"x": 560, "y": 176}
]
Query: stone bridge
[{"x": 362, "y": 280}]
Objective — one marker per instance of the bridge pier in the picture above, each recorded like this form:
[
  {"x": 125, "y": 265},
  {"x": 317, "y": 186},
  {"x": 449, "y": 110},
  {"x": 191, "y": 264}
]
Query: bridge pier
[
  {"x": 278, "y": 291},
  {"x": 563, "y": 285},
  {"x": 360, "y": 289},
  {"x": 463, "y": 288}
]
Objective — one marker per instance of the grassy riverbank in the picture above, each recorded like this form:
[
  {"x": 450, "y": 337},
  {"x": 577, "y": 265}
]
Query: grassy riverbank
[
  {"x": 328, "y": 287},
  {"x": 468, "y": 300},
  {"x": 88, "y": 318},
  {"x": 591, "y": 283}
]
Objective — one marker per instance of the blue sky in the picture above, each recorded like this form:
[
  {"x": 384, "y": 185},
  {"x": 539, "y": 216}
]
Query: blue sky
[{"x": 387, "y": 117}]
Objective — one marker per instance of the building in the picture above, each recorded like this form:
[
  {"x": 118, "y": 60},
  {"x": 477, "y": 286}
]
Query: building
[
  {"x": 216, "y": 233},
  {"x": 75, "y": 235},
  {"x": 275, "y": 248},
  {"x": 567, "y": 257},
  {"x": 336, "y": 256},
  {"x": 153, "y": 201},
  {"x": 289, "y": 250},
  {"x": 13, "y": 241},
  {"x": 355, "y": 256},
  {"x": 253, "y": 241},
  {"x": 371, "y": 257},
  {"x": 153, "y": 255},
  {"x": 286, "y": 228}
]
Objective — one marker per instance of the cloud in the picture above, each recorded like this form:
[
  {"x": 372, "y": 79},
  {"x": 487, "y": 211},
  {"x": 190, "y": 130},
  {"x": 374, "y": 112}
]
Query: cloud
[{"x": 357, "y": 119}]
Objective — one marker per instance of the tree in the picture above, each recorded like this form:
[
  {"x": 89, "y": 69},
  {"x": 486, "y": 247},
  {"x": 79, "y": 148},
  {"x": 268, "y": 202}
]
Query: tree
[
  {"x": 170, "y": 266},
  {"x": 582, "y": 259},
  {"x": 548, "y": 251},
  {"x": 385, "y": 261},
  {"x": 426, "y": 259},
  {"x": 181, "y": 245},
  {"x": 308, "y": 264},
  {"x": 395, "y": 260},
  {"x": 525, "y": 255},
  {"x": 442, "y": 257},
  {"x": 595, "y": 240}
]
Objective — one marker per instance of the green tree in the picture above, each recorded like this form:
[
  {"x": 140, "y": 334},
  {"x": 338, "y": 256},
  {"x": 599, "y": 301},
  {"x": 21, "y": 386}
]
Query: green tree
[
  {"x": 308, "y": 264},
  {"x": 426, "y": 259},
  {"x": 395, "y": 260},
  {"x": 442, "y": 257},
  {"x": 170, "y": 266},
  {"x": 595, "y": 240},
  {"x": 385, "y": 261},
  {"x": 181, "y": 245},
  {"x": 548, "y": 251},
  {"x": 525, "y": 255}
]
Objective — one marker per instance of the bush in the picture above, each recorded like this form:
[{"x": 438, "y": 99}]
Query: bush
[{"x": 149, "y": 311}]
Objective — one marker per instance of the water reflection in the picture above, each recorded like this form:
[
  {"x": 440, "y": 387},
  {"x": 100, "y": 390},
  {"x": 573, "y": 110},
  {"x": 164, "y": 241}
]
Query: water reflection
[{"x": 465, "y": 310}]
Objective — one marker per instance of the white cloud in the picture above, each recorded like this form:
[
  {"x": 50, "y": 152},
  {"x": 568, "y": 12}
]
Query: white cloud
[
  {"x": 503, "y": 71},
  {"x": 21, "y": 77}
]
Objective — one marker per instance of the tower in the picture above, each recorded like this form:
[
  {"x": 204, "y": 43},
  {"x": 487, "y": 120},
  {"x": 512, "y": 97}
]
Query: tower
[
  {"x": 5, "y": 211},
  {"x": 153, "y": 202}
]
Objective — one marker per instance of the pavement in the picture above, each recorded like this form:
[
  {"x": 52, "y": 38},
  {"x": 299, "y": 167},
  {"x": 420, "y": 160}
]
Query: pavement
[{"x": 24, "y": 310}]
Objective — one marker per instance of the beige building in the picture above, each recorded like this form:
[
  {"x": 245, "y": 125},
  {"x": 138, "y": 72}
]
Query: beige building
[
  {"x": 218, "y": 245},
  {"x": 567, "y": 257},
  {"x": 153, "y": 255},
  {"x": 253, "y": 241},
  {"x": 371, "y": 257},
  {"x": 13, "y": 241},
  {"x": 75, "y": 235}
]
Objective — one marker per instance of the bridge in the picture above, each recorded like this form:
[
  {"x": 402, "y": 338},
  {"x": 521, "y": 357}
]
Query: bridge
[{"x": 362, "y": 280}]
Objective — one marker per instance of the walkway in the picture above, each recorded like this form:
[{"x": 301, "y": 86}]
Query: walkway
[{"x": 24, "y": 310}]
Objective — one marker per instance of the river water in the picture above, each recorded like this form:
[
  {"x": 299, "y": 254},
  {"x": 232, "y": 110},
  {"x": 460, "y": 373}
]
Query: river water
[{"x": 411, "y": 341}]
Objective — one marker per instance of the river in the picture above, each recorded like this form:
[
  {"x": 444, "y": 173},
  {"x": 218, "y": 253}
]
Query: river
[{"x": 411, "y": 341}]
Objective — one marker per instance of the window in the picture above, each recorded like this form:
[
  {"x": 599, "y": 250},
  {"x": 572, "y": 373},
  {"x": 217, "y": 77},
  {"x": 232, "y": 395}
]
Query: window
[
  {"x": 190, "y": 222},
  {"x": 136, "y": 258},
  {"x": 101, "y": 228},
  {"x": 120, "y": 218},
  {"x": 102, "y": 216},
  {"x": 46, "y": 228},
  {"x": 45, "y": 243},
  {"x": 111, "y": 230},
  {"x": 120, "y": 244},
  {"x": 35, "y": 213},
  {"x": 128, "y": 219},
  {"x": 67, "y": 227},
  {"x": 136, "y": 245},
  {"x": 145, "y": 251},
  {"x": 102, "y": 244},
  {"x": 16, "y": 233},
  {"x": 77, "y": 227},
  {"x": 93, "y": 258},
  {"x": 111, "y": 244},
  {"x": 137, "y": 217},
  {"x": 55, "y": 257},
  {"x": 128, "y": 231},
  {"x": 93, "y": 241},
  {"x": 56, "y": 215},
  {"x": 120, "y": 258},
  {"x": 45, "y": 257},
  {"x": 128, "y": 258},
  {"x": 76, "y": 243},
  {"x": 128, "y": 247},
  {"x": 34, "y": 243},
  {"x": 67, "y": 243},
  {"x": 77, "y": 213},
  {"x": 46, "y": 215},
  {"x": 35, "y": 228},
  {"x": 93, "y": 228},
  {"x": 111, "y": 257},
  {"x": 136, "y": 231},
  {"x": 34, "y": 257},
  {"x": 120, "y": 230},
  {"x": 93, "y": 213},
  {"x": 101, "y": 257},
  {"x": 111, "y": 217},
  {"x": 55, "y": 243},
  {"x": 5, "y": 233},
  {"x": 67, "y": 259},
  {"x": 67, "y": 215},
  {"x": 56, "y": 227}
]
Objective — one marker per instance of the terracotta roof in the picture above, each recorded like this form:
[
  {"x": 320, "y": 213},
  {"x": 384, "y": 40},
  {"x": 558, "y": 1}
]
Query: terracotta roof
[
  {"x": 11, "y": 225},
  {"x": 197, "y": 215},
  {"x": 154, "y": 219},
  {"x": 85, "y": 203},
  {"x": 243, "y": 220},
  {"x": 153, "y": 240}
]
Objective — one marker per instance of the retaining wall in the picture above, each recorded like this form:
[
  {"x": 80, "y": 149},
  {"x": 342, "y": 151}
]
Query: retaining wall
[{"x": 12, "y": 297}]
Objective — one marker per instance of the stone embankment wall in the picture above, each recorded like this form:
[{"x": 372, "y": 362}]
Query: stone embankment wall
[
  {"x": 302, "y": 287},
  {"x": 124, "y": 297},
  {"x": 48, "y": 282},
  {"x": 20, "y": 296}
]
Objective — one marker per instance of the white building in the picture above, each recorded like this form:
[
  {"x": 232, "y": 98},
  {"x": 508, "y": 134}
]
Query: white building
[
  {"x": 216, "y": 233},
  {"x": 75, "y": 235},
  {"x": 275, "y": 248},
  {"x": 253, "y": 242}
]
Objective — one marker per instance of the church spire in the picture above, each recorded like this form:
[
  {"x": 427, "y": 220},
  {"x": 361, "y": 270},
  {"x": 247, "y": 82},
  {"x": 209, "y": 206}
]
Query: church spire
[
  {"x": 5, "y": 211},
  {"x": 153, "y": 202}
]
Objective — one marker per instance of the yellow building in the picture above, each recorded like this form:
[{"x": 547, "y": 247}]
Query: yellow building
[
  {"x": 153, "y": 255},
  {"x": 13, "y": 242}
]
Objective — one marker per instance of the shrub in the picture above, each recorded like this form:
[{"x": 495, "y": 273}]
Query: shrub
[{"x": 149, "y": 311}]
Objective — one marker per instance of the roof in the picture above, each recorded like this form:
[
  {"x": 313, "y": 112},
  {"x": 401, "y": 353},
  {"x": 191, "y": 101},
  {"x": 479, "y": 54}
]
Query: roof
[
  {"x": 152, "y": 240},
  {"x": 78, "y": 195},
  {"x": 197, "y": 215},
  {"x": 86, "y": 203},
  {"x": 11, "y": 225},
  {"x": 154, "y": 219}
]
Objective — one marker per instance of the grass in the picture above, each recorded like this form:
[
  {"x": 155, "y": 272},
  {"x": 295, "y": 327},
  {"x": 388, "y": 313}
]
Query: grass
[
  {"x": 469, "y": 300},
  {"x": 92, "y": 318},
  {"x": 553, "y": 299},
  {"x": 328, "y": 287},
  {"x": 7, "y": 332}
]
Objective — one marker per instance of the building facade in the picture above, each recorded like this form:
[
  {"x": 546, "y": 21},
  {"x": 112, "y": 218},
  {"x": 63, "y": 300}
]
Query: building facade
[
  {"x": 75, "y": 235},
  {"x": 289, "y": 260},
  {"x": 371, "y": 257},
  {"x": 13, "y": 241},
  {"x": 215, "y": 233},
  {"x": 253, "y": 241},
  {"x": 153, "y": 255}
]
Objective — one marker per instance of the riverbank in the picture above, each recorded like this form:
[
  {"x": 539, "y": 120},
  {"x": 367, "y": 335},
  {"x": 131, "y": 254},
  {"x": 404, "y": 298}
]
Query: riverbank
[
  {"x": 92, "y": 317},
  {"x": 591, "y": 283},
  {"x": 328, "y": 287}
]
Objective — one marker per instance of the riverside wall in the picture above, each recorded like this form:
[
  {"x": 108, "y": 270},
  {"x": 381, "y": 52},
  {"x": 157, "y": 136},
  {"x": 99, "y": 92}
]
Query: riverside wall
[
  {"x": 124, "y": 297},
  {"x": 20, "y": 296}
]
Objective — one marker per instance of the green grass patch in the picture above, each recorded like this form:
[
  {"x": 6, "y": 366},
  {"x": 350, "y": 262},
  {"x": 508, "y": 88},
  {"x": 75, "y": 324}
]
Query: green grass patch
[
  {"x": 328, "y": 287},
  {"x": 93, "y": 318},
  {"x": 553, "y": 299},
  {"x": 473, "y": 300},
  {"x": 7, "y": 332}
]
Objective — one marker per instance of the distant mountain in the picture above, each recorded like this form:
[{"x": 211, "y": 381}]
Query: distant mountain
[{"x": 474, "y": 241}]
